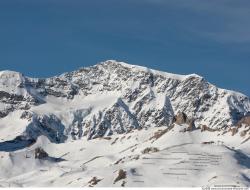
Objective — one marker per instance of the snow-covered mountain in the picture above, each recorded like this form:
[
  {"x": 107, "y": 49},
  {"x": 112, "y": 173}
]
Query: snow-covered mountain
[
  {"x": 114, "y": 97},
  {"x": 110, "y": 100}
]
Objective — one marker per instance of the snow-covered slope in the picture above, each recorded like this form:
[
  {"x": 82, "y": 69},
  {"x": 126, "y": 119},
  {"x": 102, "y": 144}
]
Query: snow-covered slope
[
  {"x": 86, "y": 107},
  {"x": 135, "y": 159}
]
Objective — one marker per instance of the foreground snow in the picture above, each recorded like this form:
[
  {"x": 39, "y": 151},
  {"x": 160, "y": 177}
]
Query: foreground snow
[{"x": 180, "y": 160}]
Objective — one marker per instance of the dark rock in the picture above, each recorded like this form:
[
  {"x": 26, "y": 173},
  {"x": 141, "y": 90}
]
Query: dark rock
[
  {"x": 94, "y": 181},
  {"x": 233, "y": 130},
  {"x": 4, "y": 94},
  {"x": 209, "y": 142},
  {"x": 150, "y": 150},
  {"x": 191, "y": 125},
  {"x": 121, "y": 175},
  {"x": 206, "y": 128},
  {"x": 243, "y": 133},
  {"x": 180, "y": 118},
  {"x": 3, "y": 114},
  {"x": 26, "y": 115},
  {"x": 245, "y": 120},
  {"x": 40, "y": 153}
]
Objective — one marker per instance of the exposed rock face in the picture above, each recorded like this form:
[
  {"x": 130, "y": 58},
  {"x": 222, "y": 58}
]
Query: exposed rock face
[
  {"x": 244, "y": 121},
  {"x": 206, "y": 128},
  {"x": 15, "y": 94},
  {"x": 121, "y": 175},
  {"x": 191, "y": 125},
  {"x": 150, "y": 150},
  {"x": 243, "y": 125},
  {"x": 233, "y": 130},
  {"x": 180, "y": 118},
  {"x": 160, "y": 133},
  {"x": 94, "y": 181},
  {"x": 117, "y": 119},
  {"x": 243, "y": 133},
  {"x": 40, "y": 153},
  {"x": 48, "y": 125},
  {"x": 27, "y": 115},
  {"x": 141, "y": 98}
]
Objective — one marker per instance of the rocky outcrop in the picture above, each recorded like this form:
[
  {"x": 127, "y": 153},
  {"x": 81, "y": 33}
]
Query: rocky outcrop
[
  {"x": 243, "y": 125},
  {"x": 116, "y": 119},
  {"x": 27, "y": 115},
  {"x": 40, "y": 153},
  {"x": 181, "y": 118},
  {"x": 244, "y": 121},
  {"x": 150, "y": 150},
  {"x": 191, "y": 125},
  {"x": 121, "y": 175},
  {"x": 94, "y": 181},
  {"x": 47, "y": 125},
  {"x": 206, "y": 128},
  {"x": 233, "y": 130}
]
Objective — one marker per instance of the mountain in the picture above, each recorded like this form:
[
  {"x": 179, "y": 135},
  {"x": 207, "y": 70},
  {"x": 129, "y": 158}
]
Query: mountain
[
  {"x": 114, "y": 97},
  {"x": 114, "y": 101}
]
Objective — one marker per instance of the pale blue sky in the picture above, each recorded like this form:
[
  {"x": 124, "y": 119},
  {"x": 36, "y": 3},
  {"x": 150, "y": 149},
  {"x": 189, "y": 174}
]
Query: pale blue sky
[{"x": 208, "y": 37}]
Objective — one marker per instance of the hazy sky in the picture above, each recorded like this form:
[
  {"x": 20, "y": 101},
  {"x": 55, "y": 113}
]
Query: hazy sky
[{"x": 208, "y": 37}]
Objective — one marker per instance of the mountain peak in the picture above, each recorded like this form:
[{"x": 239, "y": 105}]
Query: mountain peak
[
  {"x": 86, "y": 100},
  {"x": 10, "y": 81},
  {"x": 10, "y": 74},
  {"x": 137, "y": 68}
]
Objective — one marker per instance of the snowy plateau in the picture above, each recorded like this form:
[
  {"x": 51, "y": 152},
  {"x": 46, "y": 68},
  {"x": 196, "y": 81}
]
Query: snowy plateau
[{"x": 120, "y": 125}]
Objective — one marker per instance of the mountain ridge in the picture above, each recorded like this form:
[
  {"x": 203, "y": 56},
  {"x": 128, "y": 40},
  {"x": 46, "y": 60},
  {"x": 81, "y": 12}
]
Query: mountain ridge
[
  {"x": 112, "y": 96},
  {"x": 143, "y": 68}
]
